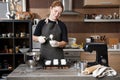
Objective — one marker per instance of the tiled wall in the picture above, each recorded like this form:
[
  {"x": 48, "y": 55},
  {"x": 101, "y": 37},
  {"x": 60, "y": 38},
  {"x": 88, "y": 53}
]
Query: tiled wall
[{"x": 75, "y": 24}]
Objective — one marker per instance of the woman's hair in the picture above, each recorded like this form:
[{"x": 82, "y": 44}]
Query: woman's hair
[{"x": 57, "y": 3}]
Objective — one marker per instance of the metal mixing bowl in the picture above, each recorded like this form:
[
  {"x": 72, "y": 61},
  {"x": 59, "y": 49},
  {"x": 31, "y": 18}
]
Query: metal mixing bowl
[
  {"x": 35, "y": 55},
  {"x": 31, "y": 63}
]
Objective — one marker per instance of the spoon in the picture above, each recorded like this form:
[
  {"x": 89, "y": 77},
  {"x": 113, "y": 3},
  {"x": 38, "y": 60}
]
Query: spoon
[{"x": 51, "y": 36}]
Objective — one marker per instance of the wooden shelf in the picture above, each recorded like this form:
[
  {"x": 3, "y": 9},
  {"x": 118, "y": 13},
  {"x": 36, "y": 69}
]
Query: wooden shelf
[
  {"x": 9, "y": 43},
  {"x": 102, "y": 20}
]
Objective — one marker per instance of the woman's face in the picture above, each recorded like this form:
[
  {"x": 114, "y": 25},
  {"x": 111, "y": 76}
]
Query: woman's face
[{"x": 55, "y": 12}]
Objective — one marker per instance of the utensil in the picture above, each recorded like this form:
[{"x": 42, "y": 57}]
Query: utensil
[
  {"x": 35, "y": 55},
  {"x": 31, "y": 63},
  {"x": 32, "y": 58},
  {"x": 83, "y": 65},
  {"x": 51, "y": 36},
  {"x": 24, "y": 50}
]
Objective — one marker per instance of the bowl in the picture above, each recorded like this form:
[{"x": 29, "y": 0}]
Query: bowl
[
  {"x": 31, "y": 63},
  {"x": 53, "y": 43},
  {"x": 35, "y": 55},
  {"x": 24, "y": 50}
]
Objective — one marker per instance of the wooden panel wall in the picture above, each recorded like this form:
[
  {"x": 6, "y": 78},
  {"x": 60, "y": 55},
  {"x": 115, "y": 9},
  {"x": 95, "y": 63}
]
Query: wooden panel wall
[{"x": 75, "y": 24}]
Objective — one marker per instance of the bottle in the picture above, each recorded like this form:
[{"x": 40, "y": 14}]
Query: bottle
[
  {"x": 5, "y": 64},
  {"x": 0, "y": 65},
  {"x": 24, "y": 45},
  {"x": 119, "y": 45},
  {"x": 6, "y": 49}
]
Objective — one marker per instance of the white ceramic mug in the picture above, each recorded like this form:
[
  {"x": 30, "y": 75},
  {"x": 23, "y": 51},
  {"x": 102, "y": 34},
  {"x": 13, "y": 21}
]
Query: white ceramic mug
[
  {"x": 3, "y": 35},
  {"x": 9, "y": 35},
  {"x": 88, "y": 40},
  {"x": 115, "y": 46}
]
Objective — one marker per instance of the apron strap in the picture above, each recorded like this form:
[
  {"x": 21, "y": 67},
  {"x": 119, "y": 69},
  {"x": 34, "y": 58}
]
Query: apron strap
[{"x": 47, "y": 19}]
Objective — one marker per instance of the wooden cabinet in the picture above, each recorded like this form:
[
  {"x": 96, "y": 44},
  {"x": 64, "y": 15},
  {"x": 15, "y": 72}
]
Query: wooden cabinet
[
  {"x": 14, "y": 34},
  {"x": 86, "y": 56},
  {"x": 102, "y": 3},
  {"x": 113, "y": 58}
]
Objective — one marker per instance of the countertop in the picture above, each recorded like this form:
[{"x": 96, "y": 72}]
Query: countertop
[
  {"x": 80, "y": 50},
  {"x": 23, "y": 72}
]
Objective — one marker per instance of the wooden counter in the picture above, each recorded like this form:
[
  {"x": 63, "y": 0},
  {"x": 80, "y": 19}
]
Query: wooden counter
[{"x": 24, "y": 73}]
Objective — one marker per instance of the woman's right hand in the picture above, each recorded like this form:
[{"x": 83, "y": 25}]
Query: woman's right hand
[{"x": 42, "y": 39}]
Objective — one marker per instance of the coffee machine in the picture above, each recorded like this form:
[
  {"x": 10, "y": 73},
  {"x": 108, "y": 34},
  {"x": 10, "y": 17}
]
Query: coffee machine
[{"x": 101, "y": 53}]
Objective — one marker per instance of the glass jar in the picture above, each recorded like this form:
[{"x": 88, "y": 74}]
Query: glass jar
[
  {"x": 5, "y": 64},
  {"x": 0, "y": 65}
]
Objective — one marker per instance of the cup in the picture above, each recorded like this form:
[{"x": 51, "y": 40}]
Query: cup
[
  {"x": 12, "y": 34},
  {"x": 3, "y": 35},
  {"x": 118, "y": 45},
  {"x": 10, "y": 50},
  {"x": 9, "y": 35},
  {"x": 77, "y": 68},
  {"x": 115, "y": 46},
  {"x": 83, "y": 65},
  {"x": 17, "y": 35},
  {"x": 17, "y": 49},
  {"x": 22, "y": 34},
  {"x": 53, "y": 43},
  {"x": 88, "y": 40}
]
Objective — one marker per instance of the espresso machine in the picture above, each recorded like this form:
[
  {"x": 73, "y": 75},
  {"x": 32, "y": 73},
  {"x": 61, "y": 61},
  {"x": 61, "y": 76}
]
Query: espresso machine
[{"x": 101, "y": 53}]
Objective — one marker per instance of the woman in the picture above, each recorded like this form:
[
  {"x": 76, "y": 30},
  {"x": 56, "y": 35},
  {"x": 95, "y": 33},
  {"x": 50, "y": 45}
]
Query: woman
[{"x": 52, "y": 27}]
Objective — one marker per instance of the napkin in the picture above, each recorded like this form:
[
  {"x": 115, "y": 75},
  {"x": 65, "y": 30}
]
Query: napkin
[{"x": 104, "y": 71}]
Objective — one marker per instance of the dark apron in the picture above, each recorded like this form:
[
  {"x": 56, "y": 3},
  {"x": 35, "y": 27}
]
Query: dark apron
[{"x": 48, "y": 52}]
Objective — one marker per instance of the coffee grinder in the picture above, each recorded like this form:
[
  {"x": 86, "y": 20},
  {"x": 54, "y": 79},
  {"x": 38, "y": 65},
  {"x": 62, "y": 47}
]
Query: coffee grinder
[{"x": 101, "y": 53}]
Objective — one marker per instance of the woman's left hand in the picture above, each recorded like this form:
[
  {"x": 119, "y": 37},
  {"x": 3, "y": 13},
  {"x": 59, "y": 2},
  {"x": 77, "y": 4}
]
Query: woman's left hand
[{"x": 54, "y": 43}]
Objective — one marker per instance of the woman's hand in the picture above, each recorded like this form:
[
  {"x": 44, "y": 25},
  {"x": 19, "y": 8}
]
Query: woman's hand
[
  {"x": 55, "y": 43},
  {"x": 41, "y": 39}
]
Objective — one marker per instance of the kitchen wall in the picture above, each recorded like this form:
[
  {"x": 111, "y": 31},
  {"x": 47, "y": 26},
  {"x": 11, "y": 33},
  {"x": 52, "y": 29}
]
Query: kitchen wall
[{"x": 75, "y": 24}]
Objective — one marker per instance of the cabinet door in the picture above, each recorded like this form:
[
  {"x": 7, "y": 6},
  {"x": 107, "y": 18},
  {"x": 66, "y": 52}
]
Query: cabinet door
[
  {"x": 6, "y": 64},
  {"x": 6, "y": 37},
  {"x": 114, "y": 60},
  {"x": 86, "y": 56},
  {"x": 22, "y": 32},
  {"x": 19, "y": 59},
  {"x": 6, "y": 47},
  {"x": 14, "y": 34},
  {"x": 22, "y": 40}
]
